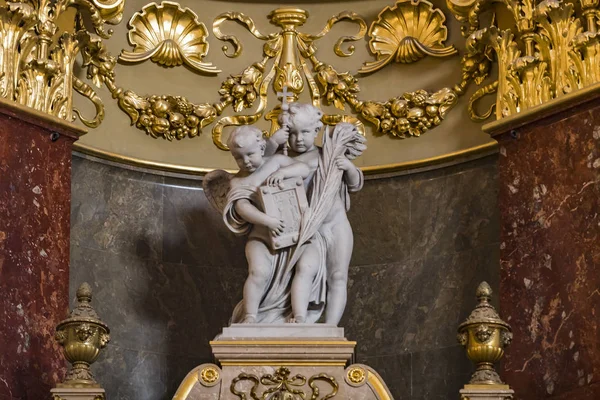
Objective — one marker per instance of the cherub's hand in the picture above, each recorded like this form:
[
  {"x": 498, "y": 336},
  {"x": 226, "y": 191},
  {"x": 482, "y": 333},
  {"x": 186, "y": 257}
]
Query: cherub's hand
[
  {"x": 276, "y": 226},
  {"x": 343, "y": 163},
  {"x": 281, "y": 136},
  {"x": 275, "y": 179}
]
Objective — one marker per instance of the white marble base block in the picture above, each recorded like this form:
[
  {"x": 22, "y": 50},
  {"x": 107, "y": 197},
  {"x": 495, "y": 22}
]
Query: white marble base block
[
  {"x": 311, "y": 358},
  {"x": 486, "y": 392},
  {"x": 77, "y": 394}
]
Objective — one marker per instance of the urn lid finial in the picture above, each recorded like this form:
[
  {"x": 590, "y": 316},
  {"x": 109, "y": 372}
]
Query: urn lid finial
[
  {"x": 84, "y": 293},
  {"x": 83, "y": 311},
  {"x": 484, "y": 292},
  {"x": 484, "y": 312}
]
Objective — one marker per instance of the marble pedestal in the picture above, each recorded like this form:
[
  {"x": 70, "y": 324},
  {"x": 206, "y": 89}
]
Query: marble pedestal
[
  {"x": 78, "y": 394},
  {"x": 35, "y": 199},
  {"x": 549, "y": 177},
  {"x": 308, "y": 358},
  {"x": 486, "y": 392}
]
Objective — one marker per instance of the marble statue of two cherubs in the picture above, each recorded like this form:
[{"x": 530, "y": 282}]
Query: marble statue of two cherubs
[{"x": 300, "y": 282}]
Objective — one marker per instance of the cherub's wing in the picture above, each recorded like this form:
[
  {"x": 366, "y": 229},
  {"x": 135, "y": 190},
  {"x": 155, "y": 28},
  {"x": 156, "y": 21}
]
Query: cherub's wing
[{"x": 216, "y": 186}]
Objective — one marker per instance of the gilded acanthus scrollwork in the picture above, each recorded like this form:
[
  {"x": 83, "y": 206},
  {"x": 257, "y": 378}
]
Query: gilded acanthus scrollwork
[
  {"x": 37, "y": 70},
  {"x": 552, "y": 51}
]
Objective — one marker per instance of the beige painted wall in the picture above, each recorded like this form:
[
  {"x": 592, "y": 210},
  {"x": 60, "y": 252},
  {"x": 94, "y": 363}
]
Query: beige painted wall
[{"x": 115, "y": 135}]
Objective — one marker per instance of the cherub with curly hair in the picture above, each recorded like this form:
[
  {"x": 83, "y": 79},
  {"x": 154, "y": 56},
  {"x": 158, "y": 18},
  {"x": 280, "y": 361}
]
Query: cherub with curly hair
[
  {"x": 330, "y": 171},
  {"x": 243, "y": 214}
]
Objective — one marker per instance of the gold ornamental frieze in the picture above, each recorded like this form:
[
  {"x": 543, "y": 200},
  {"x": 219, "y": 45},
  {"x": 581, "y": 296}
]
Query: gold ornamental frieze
[
  {"x": 289, "y": 62},
  {"x": 45, "y": 60}
]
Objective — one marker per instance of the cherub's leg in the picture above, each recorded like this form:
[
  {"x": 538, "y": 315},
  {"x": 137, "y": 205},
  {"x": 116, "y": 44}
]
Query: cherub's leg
[
  {"x": 260, "y": 265},
  {"x": 339, "y": 254},
  {"x": 306, "y": 269}
]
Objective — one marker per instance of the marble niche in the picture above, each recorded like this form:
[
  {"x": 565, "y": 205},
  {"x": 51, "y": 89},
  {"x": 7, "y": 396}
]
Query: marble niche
[{"x": 165, "y": 273}]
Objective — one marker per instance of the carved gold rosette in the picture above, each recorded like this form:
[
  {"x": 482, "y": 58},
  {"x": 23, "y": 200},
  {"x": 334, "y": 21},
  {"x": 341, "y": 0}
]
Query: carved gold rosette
[
  {"x": 82, "y": 336},
  {"x": 485, "y": 336}
]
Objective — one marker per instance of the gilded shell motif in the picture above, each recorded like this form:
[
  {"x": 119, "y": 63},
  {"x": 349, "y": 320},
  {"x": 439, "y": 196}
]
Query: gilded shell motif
[
  {"x": 406, "y": 33},
  {"x": 169, "y": 36}
]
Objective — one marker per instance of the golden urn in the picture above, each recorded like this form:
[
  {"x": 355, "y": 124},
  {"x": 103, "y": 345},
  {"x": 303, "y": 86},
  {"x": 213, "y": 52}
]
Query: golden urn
[
  {"x": 82, "y": 336},
  {"x": 485, "y": 336}
]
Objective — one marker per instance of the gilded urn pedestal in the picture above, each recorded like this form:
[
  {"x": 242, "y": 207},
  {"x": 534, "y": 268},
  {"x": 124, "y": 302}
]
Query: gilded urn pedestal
[
  {"x": 282, "y": 362},
  {"x": 485, "y": 335},
  {"x": 82, "y": 336}
]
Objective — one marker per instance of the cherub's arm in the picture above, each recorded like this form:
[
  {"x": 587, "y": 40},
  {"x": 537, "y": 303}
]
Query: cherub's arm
[
  {"x": 276, "y": 140},
  {"x": 352, "y": 175},
  {"x": 288, "y": 168},
  {"x": 250, "y": 213},
  {"x": 294, "y": 169}
]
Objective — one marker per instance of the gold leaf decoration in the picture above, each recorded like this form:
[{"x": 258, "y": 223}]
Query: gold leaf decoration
[
  {"x": 169, "y": 36},
  {"x": 407, "y": 32},
  {"x": 289, "y": 60}
]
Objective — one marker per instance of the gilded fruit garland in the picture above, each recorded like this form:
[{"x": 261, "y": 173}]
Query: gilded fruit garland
[
  {"x": 289, "y": 60},
  {"x": 552, "y": 50}
]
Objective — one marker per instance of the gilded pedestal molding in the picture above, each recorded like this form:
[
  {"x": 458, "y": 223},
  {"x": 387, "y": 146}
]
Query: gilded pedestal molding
[{"x": 308, "y": 363}]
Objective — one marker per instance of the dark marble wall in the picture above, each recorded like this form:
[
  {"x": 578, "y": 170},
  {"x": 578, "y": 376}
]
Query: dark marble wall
[
  {"x": 167, "y": 274},
  {"x": 549, "y": 180}
]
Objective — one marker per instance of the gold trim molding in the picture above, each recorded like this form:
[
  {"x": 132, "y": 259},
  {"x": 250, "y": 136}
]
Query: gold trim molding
[
  {"x": 391, "y": 169},
  {"x": 537, "y": 113}
]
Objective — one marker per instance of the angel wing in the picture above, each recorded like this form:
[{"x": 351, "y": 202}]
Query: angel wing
[{"x": 216, "y": 186}]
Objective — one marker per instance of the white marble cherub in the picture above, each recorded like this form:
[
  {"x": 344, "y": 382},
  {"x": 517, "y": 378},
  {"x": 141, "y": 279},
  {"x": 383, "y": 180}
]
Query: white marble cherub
[
  {"x": 327, "y": 233},
  {"x": 242, "y": 212}
]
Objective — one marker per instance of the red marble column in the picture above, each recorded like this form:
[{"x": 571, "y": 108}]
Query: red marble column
[
  {"x": 549, "y": 172},
  {"x": 35, "y": 198}
]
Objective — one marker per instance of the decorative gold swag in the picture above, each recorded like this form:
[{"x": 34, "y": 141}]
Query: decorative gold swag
[{"x": 546, "y": 55}]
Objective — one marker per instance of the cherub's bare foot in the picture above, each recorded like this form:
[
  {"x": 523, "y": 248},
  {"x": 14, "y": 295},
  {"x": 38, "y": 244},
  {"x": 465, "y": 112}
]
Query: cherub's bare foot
[
  {"x": 249, "y": 319},
  {"x": 296, "y": 320},
  {"x": 291, "y": 320}
]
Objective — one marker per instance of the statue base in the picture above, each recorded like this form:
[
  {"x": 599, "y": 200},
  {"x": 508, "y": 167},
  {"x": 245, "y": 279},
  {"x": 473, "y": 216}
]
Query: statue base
[
  {"x": 486, "y": 392},
  {"x": 287, "y": 360},
  {"x": 75, "y": 393}
]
